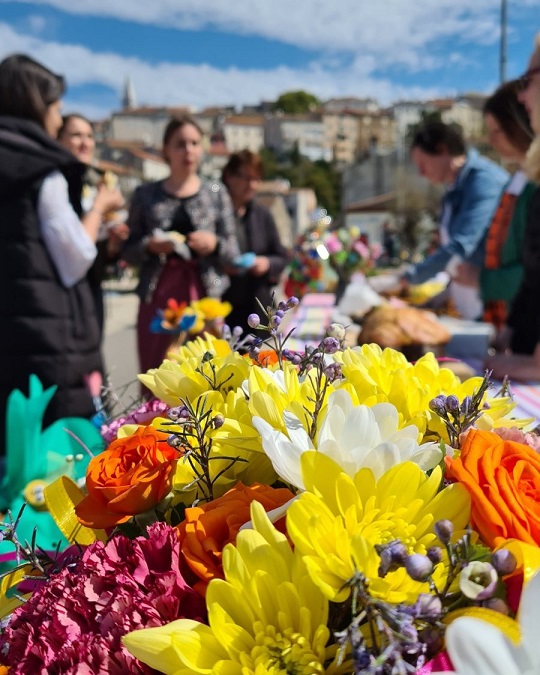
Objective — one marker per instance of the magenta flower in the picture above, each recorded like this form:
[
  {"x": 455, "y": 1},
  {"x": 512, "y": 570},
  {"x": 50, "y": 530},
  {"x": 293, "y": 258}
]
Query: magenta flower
[
  {"x": 74, "y": 623},
  {"x": 143, "y": 415}
]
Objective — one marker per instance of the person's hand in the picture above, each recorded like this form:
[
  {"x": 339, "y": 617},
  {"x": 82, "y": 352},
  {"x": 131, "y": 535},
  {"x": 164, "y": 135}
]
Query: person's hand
[
  {"x": 158, "y": 246},
  {"x": 403, "y": 287},
  {"x": 108, "y": 199},
  {"x": 466, "y": 274},
  {"x": 260, "y": 266},
  {"x": 116, "y": 235},
  {"x": 203, "y": 243},
  {"x": 501, "y": 342}
]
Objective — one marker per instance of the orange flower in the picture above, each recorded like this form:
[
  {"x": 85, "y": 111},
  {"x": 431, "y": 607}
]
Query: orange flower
[
  {"x": 132, "y": 476},
  {"x": 503, "y": 479},
  {"x": 207, "y": 528}
]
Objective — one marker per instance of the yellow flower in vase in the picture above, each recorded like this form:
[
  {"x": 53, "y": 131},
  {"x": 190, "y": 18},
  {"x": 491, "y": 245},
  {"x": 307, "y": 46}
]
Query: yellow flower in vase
[
  {"x": 267, "y": 616},
  {"x": 338, "y": 521}
]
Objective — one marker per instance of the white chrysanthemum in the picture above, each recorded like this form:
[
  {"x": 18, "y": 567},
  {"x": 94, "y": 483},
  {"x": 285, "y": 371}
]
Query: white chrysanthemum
[{"x": 355, "y": 437}]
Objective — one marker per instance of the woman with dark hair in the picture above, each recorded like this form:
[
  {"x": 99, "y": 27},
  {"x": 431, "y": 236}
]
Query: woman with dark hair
[
  {"x": 473, "y": 188},
  {"x": 254, "y": 276},
  {"x": 523, "y": 332},
  {"x": 182, "y": 234},
  {"x": 47, "y": 315},
  {"x": 510, "y": 134},
  {"x": 77, "y": 135}
]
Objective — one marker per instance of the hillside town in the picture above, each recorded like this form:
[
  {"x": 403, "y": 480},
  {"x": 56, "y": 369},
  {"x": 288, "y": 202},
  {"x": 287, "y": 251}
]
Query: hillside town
[{"x": 364, "y": 143}]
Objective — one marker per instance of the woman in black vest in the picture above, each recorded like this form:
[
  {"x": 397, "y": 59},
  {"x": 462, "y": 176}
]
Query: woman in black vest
[{"x": 47, "y": 314}]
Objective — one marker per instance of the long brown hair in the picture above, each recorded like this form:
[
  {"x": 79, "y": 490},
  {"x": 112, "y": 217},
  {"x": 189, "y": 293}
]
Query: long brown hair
[
  {"x": 511, "y": 115},
  {"x": 27, "y": 88}
]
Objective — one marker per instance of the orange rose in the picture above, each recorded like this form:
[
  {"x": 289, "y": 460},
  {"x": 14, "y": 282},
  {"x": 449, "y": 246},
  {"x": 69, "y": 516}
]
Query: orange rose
[
  {"x": 209, "y": 527},
  {"x": 132, "y": 476},
  {"x": 503, "y": 479}
]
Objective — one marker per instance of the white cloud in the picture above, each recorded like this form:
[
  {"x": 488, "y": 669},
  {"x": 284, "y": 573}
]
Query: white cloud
[
  {"x": 202, "y": 85},
  {"x": 392, "y": 31},
  {"x": 36, "y": 23}
]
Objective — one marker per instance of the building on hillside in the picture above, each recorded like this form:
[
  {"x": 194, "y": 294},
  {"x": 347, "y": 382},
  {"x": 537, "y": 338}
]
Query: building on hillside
[
  {"x": 466, "y": 110},
  {"x": 243, "y": 132},
  {"x": 356, "y": 133},
  {"x": 211, "y": 119},
  {"x": 284, "y": 133},
  {"x": 350, "y": 103},
  {"x": 300, "y": 204},
  {"x": 213, "y": 161},
  {"x": 406, "y": 114},
  {"x": 372, "y": 215},
  {"x": 370, "y": 176},
  {"x": 277, "y": 206},
  {"x": 143, "y": 163},
  {"x": 143, "y": 125},
  {"x": 261, "y": 108},
  {"x": 341, "y": 130}
]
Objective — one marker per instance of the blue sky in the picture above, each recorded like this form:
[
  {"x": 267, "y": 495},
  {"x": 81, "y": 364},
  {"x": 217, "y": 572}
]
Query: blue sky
[{"x": 218, "y": 52}]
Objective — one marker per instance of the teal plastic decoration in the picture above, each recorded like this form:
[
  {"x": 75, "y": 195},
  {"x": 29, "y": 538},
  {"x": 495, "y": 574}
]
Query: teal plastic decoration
[{"x": 36, "y": 457}]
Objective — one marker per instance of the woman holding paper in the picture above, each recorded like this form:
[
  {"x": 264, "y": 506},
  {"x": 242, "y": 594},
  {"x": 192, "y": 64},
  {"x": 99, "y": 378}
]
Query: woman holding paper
[{"x": 182, "y": 234}]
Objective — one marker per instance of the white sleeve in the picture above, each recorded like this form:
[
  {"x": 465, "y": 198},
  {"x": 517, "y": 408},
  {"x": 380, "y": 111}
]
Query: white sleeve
[{"x": 67, "y": 242}]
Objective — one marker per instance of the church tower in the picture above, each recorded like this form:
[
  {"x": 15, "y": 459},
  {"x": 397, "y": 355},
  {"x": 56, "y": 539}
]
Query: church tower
[{"x": 128, "y": 97}]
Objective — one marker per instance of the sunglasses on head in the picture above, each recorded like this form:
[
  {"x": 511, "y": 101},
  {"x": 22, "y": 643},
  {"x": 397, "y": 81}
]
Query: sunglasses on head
[{"x": 525, "y": 80}]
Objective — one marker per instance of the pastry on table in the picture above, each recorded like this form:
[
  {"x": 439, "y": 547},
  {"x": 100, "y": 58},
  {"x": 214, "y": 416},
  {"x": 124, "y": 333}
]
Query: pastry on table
[{"x": 399, "y": 327}]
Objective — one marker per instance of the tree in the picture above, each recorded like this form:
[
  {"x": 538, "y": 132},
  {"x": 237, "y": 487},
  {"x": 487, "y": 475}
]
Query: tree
[{"x": 294, "y": 102}]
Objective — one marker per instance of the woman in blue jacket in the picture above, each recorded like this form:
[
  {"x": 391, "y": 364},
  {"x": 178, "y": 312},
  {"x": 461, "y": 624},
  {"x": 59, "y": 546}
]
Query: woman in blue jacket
[{"x": 473, "y": 189}]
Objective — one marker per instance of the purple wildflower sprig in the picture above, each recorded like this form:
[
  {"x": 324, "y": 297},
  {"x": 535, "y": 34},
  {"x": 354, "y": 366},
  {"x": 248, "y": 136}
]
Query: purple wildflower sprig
[
  {"x": 459, "y": 416},
  {"x": 192, "y": 437},
  {"x": 402, "y": 638},
  {"x": 273, "y": 316}
]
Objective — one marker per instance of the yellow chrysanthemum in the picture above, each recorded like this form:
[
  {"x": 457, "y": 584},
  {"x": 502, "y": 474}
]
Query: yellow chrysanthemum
[
  {"x": 266, "y": 618},
  {"x": 271, "y": 392},
  {"x": 378, "y": 375},
  {"x": 336, "y": 523},
  {"x": 187, "y": 374}
]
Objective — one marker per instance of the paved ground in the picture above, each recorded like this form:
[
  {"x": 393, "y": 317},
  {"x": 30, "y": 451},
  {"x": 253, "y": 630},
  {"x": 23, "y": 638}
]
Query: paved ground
[{"x": 119, "y": 344}]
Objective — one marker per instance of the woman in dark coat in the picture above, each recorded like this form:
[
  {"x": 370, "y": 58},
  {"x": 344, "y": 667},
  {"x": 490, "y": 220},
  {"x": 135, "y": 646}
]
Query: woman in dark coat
[
  {"x": 47, "y": 314},
  {"x": 258, "y": 271}
]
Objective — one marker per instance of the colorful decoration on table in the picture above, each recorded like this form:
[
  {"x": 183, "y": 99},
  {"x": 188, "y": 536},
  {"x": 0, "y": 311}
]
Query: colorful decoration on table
[
  {"x": 182, "y": 319},
  {"x": 305, "y": 271},
  {"x": 321, "y": 511},
  {"x": 35, "y": 458},
  {"x": 320, "y": 249},
  {"x": 349, "y": 251}
]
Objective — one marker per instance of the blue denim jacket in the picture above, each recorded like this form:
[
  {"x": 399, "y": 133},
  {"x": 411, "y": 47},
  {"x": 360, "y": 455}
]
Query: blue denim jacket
[{"x": 472, "y": 199}]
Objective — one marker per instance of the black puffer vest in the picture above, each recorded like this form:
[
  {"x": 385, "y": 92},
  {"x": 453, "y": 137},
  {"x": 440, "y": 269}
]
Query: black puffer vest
[{"x": 46, "y": 329}]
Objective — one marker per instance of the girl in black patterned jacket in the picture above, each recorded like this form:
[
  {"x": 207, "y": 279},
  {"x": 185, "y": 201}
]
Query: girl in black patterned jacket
[{"x": 182, "y": 234}]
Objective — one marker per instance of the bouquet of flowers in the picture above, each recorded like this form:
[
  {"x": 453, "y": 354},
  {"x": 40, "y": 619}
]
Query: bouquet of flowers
[
  {"x": 330, "y": 511},
  {"x": 349, "y": 251}
]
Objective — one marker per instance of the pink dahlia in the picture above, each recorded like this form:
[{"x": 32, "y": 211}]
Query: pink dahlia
[{"x": 74, "y": 623}]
